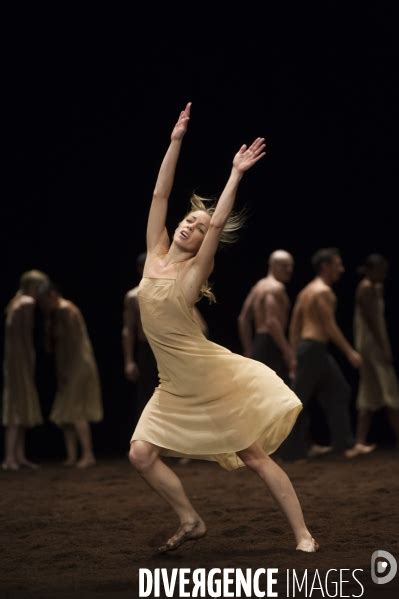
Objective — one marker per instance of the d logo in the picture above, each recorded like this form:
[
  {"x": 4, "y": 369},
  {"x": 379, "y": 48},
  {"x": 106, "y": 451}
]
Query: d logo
[{"x": 383, "y": 567}]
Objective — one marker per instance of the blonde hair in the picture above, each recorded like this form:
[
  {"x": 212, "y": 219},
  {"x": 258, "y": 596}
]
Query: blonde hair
[{"x": 234, "y": 223}]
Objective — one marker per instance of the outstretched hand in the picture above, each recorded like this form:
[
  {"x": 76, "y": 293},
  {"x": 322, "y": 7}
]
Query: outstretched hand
[
  {"x": 246, "y": 157},
  {"x": 181, "y": 125}
]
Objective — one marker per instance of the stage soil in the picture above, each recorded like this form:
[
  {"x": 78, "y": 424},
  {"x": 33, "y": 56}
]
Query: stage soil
[{"x": 70, "y": 533}]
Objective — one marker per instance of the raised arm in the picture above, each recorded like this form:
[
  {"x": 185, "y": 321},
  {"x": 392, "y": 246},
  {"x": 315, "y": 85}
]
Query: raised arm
[
  {"x": 157, "y": 237},
  {"x": 243, "y": 161}
]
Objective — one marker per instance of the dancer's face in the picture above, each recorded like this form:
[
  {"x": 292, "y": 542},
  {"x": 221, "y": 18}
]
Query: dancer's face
[
  {"x": 334, "y": 269},
  {"x": 283, "y": 268},
  {"x": 190, "y": 233}
]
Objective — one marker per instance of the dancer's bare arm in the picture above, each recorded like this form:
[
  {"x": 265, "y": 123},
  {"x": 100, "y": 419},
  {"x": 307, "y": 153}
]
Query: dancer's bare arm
[
  {"x": 129, "y": 333},
  {"x": 325, "y": 302},
  {"x": 245, "y": 320},
  {"x": 296, "y": 325},
  {"x": 273, "y": 301},
  {"x": 157, "y": 236},
  {"x": 243, "y": 161}
]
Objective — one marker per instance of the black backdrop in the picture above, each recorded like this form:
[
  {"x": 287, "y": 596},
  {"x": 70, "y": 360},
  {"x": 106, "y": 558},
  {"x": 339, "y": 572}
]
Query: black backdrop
[{"x": 90, "y": 104}]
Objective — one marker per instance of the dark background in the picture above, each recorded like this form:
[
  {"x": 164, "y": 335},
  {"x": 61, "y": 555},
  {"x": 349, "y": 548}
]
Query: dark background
[{"x": 91, "y": 100}]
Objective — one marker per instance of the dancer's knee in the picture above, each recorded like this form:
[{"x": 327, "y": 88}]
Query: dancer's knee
[
  {"x": 142, "y": 455},
  {"x": 254, "y": 458}
]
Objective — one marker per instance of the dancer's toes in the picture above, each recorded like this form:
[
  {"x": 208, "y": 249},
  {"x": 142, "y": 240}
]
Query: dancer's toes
[
  {"x": 308, "y": 545},
  {"x": 359, "y": 449},
  {"x": 86, "y": 463},
  {"x": 186, "y": 532}
]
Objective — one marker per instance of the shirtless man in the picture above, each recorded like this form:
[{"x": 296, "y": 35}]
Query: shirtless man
[
  {"x": 313, "y": 326},
  {"x": 265, "y": 312},
  {"x": 140, "y": 364}
]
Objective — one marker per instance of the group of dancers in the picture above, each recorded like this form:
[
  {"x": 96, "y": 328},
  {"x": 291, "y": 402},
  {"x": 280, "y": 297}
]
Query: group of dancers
[
  {"x": 212, "y": 404},
  {"x": 78, "y": 398}
]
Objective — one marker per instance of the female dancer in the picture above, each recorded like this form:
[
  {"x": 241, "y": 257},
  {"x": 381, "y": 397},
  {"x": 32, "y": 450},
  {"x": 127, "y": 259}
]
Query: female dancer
[
  {"x": 21, "y": 407},
  {"x": 378, "y": 385},
  {"x": 210, "y": 404}
]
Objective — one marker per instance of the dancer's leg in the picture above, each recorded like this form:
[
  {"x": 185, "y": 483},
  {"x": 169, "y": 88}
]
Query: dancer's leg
[
  {"x": 70, "y": 445},
  {"x": 10, "y": 454},
  {"x": 82, "y": 428},
  {"x": 364, "y": 418},
  {"x": 282, "y": 492},
  {"x": 20, "y": 450},
  {"x": 145, "y": 458}
]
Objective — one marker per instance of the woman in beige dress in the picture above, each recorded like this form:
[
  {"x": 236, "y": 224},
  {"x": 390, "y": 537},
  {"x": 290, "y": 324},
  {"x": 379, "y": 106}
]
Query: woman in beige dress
[
  {"x": 78, "y": 398},
  {"x": 21, "y": 407},
  {"x": 378, "y": 386},
  {"x": 210, "y": 404}
]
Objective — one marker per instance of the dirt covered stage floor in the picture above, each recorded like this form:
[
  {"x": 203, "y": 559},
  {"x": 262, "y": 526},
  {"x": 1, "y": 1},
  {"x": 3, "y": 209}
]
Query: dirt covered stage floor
[{"x": 69, "y": 533}]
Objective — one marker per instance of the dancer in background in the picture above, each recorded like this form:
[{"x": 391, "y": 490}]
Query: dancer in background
[
  {"x": 318, "y": 376},
  {"x": 211, "y": 403},
  {"x": 78, "y": 398},
  {"x": 265, "y": 312},
  {"x": 140, "y": 364},
  {"x": 378, "y": 386},
  {"x": 21, "y": 407}
]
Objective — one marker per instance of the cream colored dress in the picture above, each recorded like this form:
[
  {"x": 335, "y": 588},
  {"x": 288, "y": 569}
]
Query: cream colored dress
[
  {"x": 21, "y": 405},
  {"x": 210, "y": 403},
  {"x": 78, "y": 387},
  {"x": 378, "y": 385}
]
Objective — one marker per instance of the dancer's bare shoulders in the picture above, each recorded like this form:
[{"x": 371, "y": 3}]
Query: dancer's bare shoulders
[{"x": 21, "y": 308}]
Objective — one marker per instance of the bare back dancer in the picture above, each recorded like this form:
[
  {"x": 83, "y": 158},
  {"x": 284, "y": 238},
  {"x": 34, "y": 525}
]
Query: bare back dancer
[
  {"x": 313, "y": 326},
  {"x": 210, "y": 404},
  {"x": 265, "y": 312}
]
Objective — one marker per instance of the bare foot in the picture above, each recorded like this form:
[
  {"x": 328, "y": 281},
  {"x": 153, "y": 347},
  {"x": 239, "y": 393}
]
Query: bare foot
[
  {"x": 359, "y": 449},
  {"x": 27, "y": 464},
  {"x": 10, "y": 466},
  {"x": 186, "y": 532},
  {"x": 318, "y": 450},
  {"x": 308, "y": 545},
  {"x": 86, "y": 463}
]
